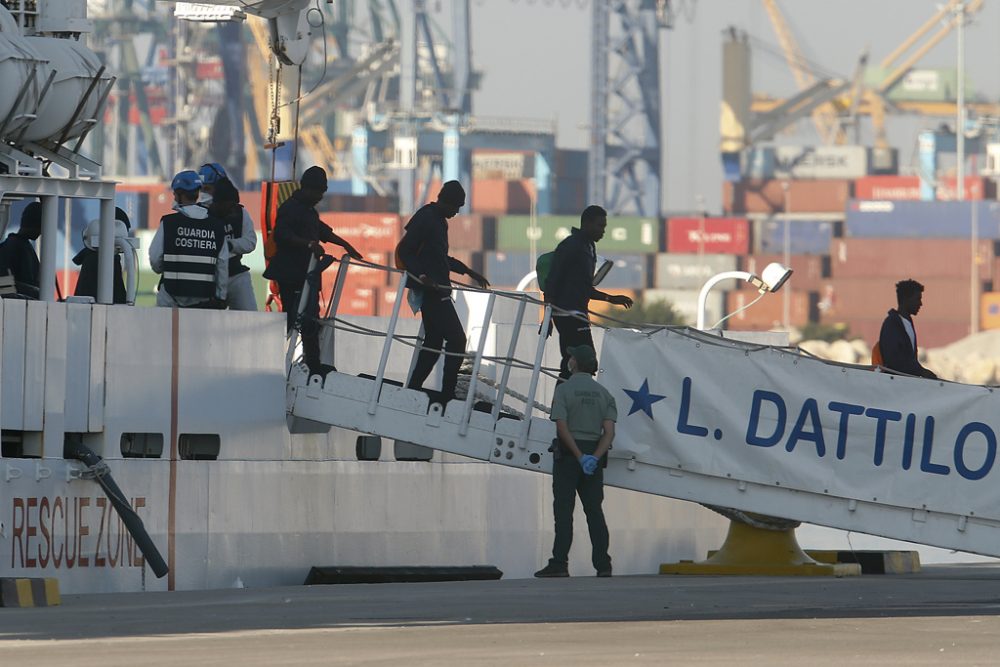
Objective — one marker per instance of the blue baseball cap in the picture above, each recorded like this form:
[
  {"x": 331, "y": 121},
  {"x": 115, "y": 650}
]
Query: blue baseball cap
[
  {"x": 187, "y": 180},
  {"x": 211, "y": 172}
]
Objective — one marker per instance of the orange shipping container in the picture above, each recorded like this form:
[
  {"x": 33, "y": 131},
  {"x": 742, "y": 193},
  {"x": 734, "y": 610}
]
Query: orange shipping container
[
  {"x": 921, "y": 259},
  {"x": 768, "y": 313},
  {"x": 929, "y": 334},
  {"x": 829, "y": 196},
  {"x": 944, "y": 300},
  {"x": 809, "y": 272},
  {"x": 500, "y": 197},
  {"x": 753, "y": 196},
  {"x": 989, "y": 312}
]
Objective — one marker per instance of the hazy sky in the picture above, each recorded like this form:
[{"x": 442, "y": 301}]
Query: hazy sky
[{"x": 535, "y": 56}]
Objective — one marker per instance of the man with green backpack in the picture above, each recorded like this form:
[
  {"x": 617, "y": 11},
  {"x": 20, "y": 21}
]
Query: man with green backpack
[{"x": 569, "y": 284}]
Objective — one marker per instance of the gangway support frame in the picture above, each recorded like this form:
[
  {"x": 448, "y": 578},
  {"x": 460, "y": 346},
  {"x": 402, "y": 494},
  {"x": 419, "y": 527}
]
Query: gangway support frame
[{"x": 752, "y": 551}]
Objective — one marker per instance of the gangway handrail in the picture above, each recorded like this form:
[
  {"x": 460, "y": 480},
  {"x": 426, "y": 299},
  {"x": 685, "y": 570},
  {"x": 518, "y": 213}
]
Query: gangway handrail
[{"x": 509, "y": 362}]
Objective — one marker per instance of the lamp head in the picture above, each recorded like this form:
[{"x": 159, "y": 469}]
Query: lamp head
[{"x": 774, "y": 276}]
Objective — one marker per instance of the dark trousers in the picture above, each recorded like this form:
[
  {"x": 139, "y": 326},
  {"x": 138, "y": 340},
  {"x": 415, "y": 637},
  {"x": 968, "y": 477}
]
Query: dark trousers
[
  {"x": 441, "y": 326},
  {"x": 568, "y": 481},
  {"x": 290, "y": 293},
  {"x": 573, "y": 331}
]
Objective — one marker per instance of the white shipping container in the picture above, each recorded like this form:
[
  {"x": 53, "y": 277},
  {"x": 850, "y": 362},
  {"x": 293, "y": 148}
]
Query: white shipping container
[
  {"x": 821, "y": 162},
  {"x": 682, "y": 271},
  {"x": 507, "y": 165},
  {"x": 685, "y": 302}
]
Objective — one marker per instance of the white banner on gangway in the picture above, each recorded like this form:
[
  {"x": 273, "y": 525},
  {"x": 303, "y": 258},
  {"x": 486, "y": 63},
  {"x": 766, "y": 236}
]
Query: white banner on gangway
[{"x": 773, "y": 416}]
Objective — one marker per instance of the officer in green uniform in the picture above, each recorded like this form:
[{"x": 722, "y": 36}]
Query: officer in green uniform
[{"x": 585, "y": 415}]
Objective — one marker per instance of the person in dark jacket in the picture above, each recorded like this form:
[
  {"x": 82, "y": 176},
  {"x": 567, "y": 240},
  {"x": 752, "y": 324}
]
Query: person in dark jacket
[
  {"x": 241, "y": 238},
  {"x": 569, "y": 286},
  {"x": 897, "y": 340},
  {"x": 86, "y": 259},
  {"x": 423, "y": 250},
  {"x": 17, "y": 255},
  {"x": 299, "y": 234}
]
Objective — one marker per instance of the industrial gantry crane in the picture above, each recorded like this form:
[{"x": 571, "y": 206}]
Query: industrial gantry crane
[{"x": 625, "y": 140}]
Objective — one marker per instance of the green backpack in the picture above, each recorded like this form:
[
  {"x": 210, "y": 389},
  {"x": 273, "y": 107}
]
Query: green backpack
[{"x": 542, "y": 266}]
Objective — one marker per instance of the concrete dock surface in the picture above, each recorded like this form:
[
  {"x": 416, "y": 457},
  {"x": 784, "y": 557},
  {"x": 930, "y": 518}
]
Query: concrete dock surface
[{"x": 943, "y": 615}]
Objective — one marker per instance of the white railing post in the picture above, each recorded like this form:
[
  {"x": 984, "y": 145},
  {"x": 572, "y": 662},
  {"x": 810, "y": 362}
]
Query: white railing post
[
  {"x": 470, "y": 398},
  {"x": 511, "y": 351},
  {"x": 293, "y": 334},
  {"x": 418, "y": 345},
  {"x": 536, "y": 369},
  {"x": 331, "y": 307},
  {"x": 338, "y": 286},
  {"x": 389, "y": 335}
]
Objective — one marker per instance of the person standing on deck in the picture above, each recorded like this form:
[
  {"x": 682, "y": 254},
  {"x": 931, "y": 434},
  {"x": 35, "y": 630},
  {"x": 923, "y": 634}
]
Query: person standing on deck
[{"x": 585, "y": 414}]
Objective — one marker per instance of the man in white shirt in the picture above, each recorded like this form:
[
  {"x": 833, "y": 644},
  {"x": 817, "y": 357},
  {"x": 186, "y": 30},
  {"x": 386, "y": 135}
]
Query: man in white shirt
[{"x": 898, "y": 339}]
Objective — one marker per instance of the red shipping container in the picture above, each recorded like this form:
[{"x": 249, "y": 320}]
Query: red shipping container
[
  {"x": 66, "y": 281},
  {"x": 893, "y": 188},
  {"x": 897, "y": 188},
  {"x": 368, "y": 232},
  {"x": 824, "y": 196},
  {"x": 386, "y": 299},
  {"x": 354, "y": 300},
  {"x": 976, "y": 188},
  {"x": 809, "y": 272},
  {"x": 922, "y": 259},
  {"x": 361, "y": 275},
  {"x": 473, "y": 232},
  {"x": 725, "y": 236},
  {"x": 161, "y": 201}
]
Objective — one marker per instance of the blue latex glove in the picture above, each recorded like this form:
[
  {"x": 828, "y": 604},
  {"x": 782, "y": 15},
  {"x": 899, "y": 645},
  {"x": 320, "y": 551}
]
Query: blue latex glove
[{"x": 589, "y": 464}]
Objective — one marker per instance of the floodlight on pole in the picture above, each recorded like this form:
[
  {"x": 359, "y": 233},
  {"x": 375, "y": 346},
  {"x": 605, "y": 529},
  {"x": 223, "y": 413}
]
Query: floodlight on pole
[{"x": 771, "y": 279}]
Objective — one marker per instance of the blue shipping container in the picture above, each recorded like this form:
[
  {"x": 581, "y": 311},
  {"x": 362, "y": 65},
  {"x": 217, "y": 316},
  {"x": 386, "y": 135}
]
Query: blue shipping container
[
  {"x": 805, "y": 237},
  {"x": 506, "y": 269},
  {"x": 921, "y": 219}
]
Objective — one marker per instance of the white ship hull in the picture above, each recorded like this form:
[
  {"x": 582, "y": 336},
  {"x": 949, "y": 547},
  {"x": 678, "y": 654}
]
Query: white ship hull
[{"x": 273, "y": 503}]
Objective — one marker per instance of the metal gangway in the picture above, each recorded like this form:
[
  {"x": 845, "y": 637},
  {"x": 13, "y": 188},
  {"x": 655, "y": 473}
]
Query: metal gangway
[{"x": 742, "y": 427}]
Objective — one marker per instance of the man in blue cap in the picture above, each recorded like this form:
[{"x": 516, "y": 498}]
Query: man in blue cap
[
  {"x": 585, "y": 414},
  {"x": 189, "y": 250},
  {"x": 299, "y": 234},
  {"x": 210, "y": 173}
]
